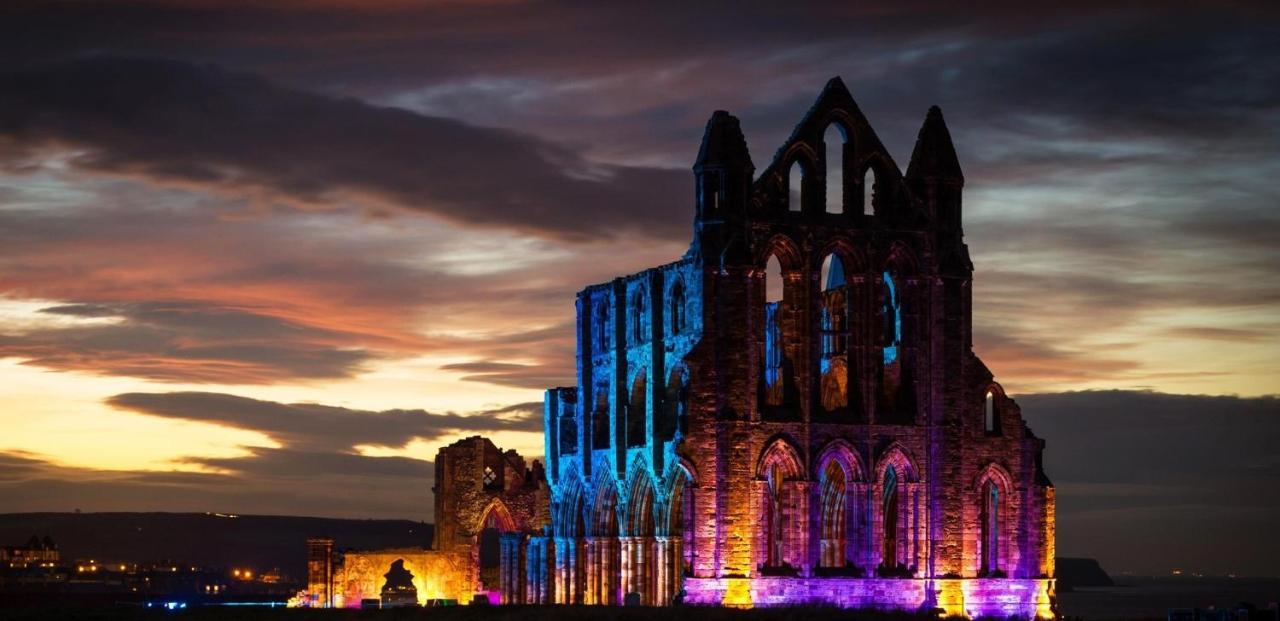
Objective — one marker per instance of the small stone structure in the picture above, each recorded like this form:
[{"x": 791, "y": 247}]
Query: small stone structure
[{"x": 479, "y": 490}]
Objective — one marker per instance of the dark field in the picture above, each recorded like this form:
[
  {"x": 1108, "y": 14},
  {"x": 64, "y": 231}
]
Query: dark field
[{"x": 457, "y": 613}]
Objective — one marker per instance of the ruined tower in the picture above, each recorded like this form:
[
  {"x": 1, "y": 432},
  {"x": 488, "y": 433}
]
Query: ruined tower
[{"x": 792, "y": 412}]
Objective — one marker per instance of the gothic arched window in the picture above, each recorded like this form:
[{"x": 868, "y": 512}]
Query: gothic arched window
[
  {"x": 795, "y": 187},
  {"x": 677, "y": 308},
  {"x": 773, "y": 517},
  {"x": 600, "y": 417},
  {"x": 990, "y": 526},
  {"x": 990, "y": 414},
  {"x": 833, "y": 521},
  {"x": 891, "y": 314},
  {"x": 773, "y": 332},
  {"x": 834, "y": 139},
  {"x": 834, "y": 306},
  {"x": 869, "y": 192},
  {"x": 637, "y": 409},
  {"x": 890, "y": 518},
  {"x": 602, "y": 327},
  {"x": 637, "y": 317}
]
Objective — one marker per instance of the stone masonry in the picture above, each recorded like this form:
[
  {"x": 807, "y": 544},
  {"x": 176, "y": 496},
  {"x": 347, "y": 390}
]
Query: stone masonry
[{"x": 793, "y": 412}]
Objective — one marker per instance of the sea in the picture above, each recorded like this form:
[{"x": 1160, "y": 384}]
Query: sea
[{"x": 1152, "y": 598}]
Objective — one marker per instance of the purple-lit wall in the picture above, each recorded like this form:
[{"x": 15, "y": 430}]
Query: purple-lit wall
[{"x": 836, "y": 442}]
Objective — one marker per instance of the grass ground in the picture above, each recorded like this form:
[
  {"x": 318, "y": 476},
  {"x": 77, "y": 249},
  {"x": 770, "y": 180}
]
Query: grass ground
[{"x": 460, "y": 613}]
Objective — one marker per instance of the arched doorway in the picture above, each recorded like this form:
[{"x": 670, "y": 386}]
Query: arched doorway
[
  {"x": 495, "y": 521},
  {"x": 782, "y": 527},
  {"x": 398, "y": 590},
  {"x": 889, "y": 516},
  {"x": 638, "y": 544},
  {"x": 605, "y": 565}
]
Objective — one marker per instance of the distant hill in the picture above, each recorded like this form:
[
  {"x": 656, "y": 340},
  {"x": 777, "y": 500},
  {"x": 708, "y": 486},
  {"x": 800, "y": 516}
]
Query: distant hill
[
  {"x": 1080, "y": 572},
  {"x": 262, "y": 542},
  {"x": 256, "y": 541}
]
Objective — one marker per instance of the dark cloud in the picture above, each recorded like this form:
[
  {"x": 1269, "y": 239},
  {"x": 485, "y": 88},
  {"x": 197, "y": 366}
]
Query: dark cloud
[
  {"x": 1150, "y": 481},
  {"x": 268, "y": 481},
  {"x": 308, "y": 426},
  {"x": 306, "y": 466},
  {"x": 161, "y": 288},
  {"x": 240, "y": 135},
  {"x": 187, "y": 342},
  {"x": 507, "y": 374}
]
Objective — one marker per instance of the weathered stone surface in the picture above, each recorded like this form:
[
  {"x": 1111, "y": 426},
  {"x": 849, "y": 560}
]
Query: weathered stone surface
[
  {"x": 836, "y": 442},
  {"x": 794, "y": 449},
  {"x": 478, "y": 487}
]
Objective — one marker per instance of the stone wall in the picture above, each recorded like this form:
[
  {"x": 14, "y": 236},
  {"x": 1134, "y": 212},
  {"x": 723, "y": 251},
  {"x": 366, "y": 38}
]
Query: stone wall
[
  {"x": 823, "y": 439},
  {"x": 477, "y": 486},
  {"x": 436, "y": 575}
]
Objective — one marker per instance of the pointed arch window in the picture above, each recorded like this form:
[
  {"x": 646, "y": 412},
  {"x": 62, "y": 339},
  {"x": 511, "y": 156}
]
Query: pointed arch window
[
  {"x": 602, "y": 327},
  {"x": 990, "y": 415},
  {"x": 685, "y": 515},
  {"x": 637, "y": 317},
  {"x": 834, "y": 306},
  {"x": 600, "y": 417},
  {"x": 637, "y": 409},
  {"x": 834, "y": 494},
  {"x": 834, "y": 139},
  {"x": 889, "y": 514},
  {"x": 869, "y": 192},
  {"x": 782, "y": 523},
  {"x": 773, "y": 517},
  {"x": 773, "y": 355},
  {"x": 677, "y": 308},
  {"x": 675, "y": 406},
  {"x": 892, "y": 317},
  {"x": 990, "y": 527},
  {"x": 795, "y": 187}
]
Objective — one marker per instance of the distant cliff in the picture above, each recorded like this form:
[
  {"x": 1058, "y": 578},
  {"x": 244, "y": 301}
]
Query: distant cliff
[
  {"x": 260, "y": 542},
  {"x": 1081, "y": 572}
]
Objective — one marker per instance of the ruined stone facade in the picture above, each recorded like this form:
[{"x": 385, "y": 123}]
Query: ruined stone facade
[
  {"x": 483, "y": 495},
  {"x": 792, "y": 413}
]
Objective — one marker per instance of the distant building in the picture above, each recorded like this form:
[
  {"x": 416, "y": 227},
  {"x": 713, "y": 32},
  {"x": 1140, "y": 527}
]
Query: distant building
[
  {"x": 487, "y": 504},
  {"x": 37, "y": 551}
]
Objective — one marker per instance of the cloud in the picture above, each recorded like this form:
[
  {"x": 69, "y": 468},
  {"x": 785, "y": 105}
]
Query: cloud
[
  {"x": 312, "y": 427},
  {"x": 182, "y": 341},
  {"x": 316, "y": 470},
  {"x": 270, "y": 481},
  {"x": 247, "y": 137}
]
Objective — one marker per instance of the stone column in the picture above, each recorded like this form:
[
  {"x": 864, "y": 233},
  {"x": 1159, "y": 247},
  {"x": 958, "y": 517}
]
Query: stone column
[
  {"x": 535, "y": 568},
  {"x": 588, "y": 570},
  {"x": 609, "y": 575},
  {"x": 626, "y": 548},
  {"x": 641, "y": 582},
  {"x": 569, "y": 590},
  {"x": 507, "y": 562},
  {"x": 662, "y": 567},
  {"x": 558, "y": 571}
]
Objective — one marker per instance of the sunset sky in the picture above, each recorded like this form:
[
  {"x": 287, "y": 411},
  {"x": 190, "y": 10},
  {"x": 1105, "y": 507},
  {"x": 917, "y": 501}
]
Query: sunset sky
[{"x": 268, "y": 257}]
